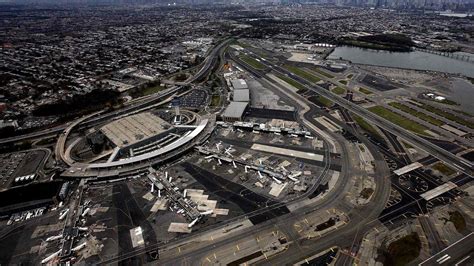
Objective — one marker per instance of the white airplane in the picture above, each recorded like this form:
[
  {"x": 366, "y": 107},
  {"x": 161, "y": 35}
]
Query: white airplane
[
  {"x": 227, "y": 151},
  {"x": 50, "y": 257},
  {"x": 207, "y": 212},
  {"x": 276, "y": 180},
  {"x": 193, "y": 223}
]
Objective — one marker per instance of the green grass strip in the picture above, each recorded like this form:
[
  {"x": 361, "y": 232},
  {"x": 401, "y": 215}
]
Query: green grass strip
[
  {"x": 304, "y": 74},
  {"x": 399, "y": 120},
  {"x": 339, "y": 90},
  {"x": 420, "y": 115},
  {"x": 447, "y": 115},
  {"x": 252, "y": 62}
]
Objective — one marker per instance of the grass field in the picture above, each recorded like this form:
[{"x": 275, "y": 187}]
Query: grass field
[
  {"x": 403, "y": 250},
  {"x": 304, "y": 74},
  {"x": 399, "y": 120},
  {"x": 458, "y": 220},
  {"x": 339, "y": 90},
  {"x": 350, "y": 76},
  {"x": 325, "y": 101},
  {"x": 343, "y": 82},
  {"x": 407, "y": 145},
  {"x": 252, "y": 62},
  {"x": 215, "y": 100},
  {"x": 292, "y": 82},
  {"x": 151, "y": 90},
  {"x": 365, "y": 125},
  {"x": 448, "y": 102},
  {"x": 420, "y": 115},
  {"x": 447, "y": 115},
  {"x": 324, "y": 73},
  {"x": 365, "y": 91},
  {"x": 444, "y": 169}
]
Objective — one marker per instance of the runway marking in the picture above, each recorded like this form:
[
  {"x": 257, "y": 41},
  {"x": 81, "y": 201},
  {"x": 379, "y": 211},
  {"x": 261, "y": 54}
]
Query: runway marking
[
  {"x": 328, "y": 211},
  {"x": 179, "y": 249},
  {"x": 306, "y": 221},
  {"x": 375, "y": 228},
  {"x": 208, "y": 259},
  {"x": 215, "y": 257},
  {"x": 461, "y": 261},
  {"x": 265, "y": 256},
  {"x": 238, "y": 248}
]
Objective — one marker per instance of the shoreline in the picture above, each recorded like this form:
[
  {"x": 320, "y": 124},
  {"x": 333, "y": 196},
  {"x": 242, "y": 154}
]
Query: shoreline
[{"x": 398, "y": 67}]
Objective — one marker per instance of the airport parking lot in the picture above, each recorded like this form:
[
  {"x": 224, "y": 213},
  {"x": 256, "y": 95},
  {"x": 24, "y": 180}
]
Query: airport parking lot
[{"x": 20, "y": 167}]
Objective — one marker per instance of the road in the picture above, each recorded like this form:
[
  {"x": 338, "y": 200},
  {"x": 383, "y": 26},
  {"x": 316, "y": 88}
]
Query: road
[{"x": 434, "y": 240}]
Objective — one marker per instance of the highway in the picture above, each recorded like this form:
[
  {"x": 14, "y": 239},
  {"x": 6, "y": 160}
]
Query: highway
[{"x": 61, "y": 143}]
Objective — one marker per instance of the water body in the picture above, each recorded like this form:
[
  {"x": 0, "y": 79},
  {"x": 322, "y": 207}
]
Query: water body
[{"x": 411, "y": 60}]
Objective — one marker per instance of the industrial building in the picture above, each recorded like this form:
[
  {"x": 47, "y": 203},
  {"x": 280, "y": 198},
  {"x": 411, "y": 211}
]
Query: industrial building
[
  {"x": 241, "y": 95},
  {"x": 235, "y": 111},
  {"x": 239, "y": 84}
]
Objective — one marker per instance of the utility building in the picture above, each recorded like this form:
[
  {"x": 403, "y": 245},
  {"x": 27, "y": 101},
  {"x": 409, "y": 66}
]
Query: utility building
[{"x": 235, "y": 111}]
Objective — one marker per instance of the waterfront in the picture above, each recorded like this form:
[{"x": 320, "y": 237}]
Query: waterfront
[{"x": 413, "y": 60}]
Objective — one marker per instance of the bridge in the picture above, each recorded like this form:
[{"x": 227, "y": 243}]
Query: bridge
[{"x": 460, "y": 57}]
